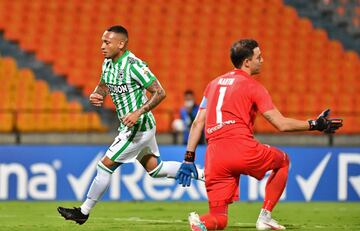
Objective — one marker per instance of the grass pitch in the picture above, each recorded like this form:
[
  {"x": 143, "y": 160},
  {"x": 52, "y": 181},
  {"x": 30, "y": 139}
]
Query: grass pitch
[{"x": 156, "y": 216}]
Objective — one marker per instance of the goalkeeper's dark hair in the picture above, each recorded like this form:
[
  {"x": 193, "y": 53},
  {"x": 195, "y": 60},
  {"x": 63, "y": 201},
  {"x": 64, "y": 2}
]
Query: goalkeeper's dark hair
[
  {"x": 118, "y": 29},
  {"x": 241, "y": 50}
]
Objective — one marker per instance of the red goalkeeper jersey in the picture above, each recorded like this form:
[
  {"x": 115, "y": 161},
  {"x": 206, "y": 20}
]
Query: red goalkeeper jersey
[{"x": 232, "y": 101}]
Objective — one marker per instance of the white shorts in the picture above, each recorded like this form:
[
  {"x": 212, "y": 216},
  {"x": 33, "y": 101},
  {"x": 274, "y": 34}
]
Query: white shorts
[{"x": 131, "y": 145}]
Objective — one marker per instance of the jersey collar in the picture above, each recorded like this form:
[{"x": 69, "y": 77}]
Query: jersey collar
[
  {"x": 126, "y": 53},
  {"x": 240, "y": 72}
]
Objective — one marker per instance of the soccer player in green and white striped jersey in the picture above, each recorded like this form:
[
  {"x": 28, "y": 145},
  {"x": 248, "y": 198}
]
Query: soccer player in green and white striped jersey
[{"x": 126, "y": 79}]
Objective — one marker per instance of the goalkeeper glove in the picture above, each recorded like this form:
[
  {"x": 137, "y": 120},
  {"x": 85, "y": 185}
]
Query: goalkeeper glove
[
  {"x": 187, "y": 170},
  {"x": 325, "y": 124}
]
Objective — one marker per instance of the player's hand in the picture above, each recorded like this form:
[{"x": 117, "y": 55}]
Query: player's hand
[
  {"x": 325, "y": 124},
  {"x": 96, "y": 99},
  {"x": 186, "y": 170},
  {"x": 131, "y": 118}
]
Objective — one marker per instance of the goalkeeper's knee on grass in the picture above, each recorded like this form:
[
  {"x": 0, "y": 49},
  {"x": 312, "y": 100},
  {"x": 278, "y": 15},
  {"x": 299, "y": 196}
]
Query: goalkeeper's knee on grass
[
  {"x": 214, "y": 221},
  {"x": 217, "y": 217}
]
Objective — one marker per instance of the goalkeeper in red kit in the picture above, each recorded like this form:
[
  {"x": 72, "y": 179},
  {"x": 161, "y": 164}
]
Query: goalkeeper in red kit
[{"x": 227, "y": 113}]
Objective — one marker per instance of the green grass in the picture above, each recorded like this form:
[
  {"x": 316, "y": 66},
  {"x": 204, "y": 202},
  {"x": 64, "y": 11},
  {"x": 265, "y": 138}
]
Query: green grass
[{"x": 107, "y": 216}]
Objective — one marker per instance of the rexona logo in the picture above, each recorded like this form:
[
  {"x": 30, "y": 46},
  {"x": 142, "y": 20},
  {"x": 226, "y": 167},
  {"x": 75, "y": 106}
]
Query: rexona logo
[
  {"x": 138, "y": 184},
  {"x": 38, "y": 181}
]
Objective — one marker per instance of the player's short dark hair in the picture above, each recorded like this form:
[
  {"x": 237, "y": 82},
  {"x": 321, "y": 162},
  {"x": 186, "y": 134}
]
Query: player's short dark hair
[
  {"x": 118, "y": 29},
  {"x": 189, "y": 92},
  {"x": 241, "y": 50}
]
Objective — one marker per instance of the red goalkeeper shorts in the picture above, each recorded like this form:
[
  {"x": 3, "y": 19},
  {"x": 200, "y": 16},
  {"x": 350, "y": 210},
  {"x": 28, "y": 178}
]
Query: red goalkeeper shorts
[{"x": 225, "y": 161}]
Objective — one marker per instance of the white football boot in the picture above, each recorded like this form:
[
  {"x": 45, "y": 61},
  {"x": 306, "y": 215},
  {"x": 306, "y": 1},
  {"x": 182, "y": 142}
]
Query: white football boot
[
  {"x": 265, "y": 222},
  {"x": 195, "y": 223},
  {"x": 268, "y": 224}
]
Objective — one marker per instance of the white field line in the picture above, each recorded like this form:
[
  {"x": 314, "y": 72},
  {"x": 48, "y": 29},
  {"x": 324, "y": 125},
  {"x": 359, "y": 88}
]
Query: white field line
[
  {"x": 6, "y": 216},
  {"x": 244, "y": 224},
  {"x": 138, "y": 219},
  {"x": 132, "y": 219}
]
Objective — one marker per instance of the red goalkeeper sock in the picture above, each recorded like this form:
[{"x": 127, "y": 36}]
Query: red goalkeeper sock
[
  {"x": 216, "y": 219},
  {"x": 275, "y": 186}
]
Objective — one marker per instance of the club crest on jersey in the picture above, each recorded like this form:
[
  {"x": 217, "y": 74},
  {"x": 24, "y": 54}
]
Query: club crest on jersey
[
  {"x": 117, "y": 89},
  {"x": 131, "y": 60},
  {"x": 121, "y": 74}
]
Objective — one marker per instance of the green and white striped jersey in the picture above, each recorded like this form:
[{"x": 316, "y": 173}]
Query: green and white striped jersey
[{"x": 127, "y": 80}]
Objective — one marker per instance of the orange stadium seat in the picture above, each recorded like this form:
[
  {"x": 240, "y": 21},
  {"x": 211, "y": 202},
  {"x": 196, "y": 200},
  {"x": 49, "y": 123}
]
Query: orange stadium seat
[
  {"x": 58, "y": 100},
  {"x": 26, "y": 122},
  {"x": 6, "y": 122},
  {"x": 264, "y": 126},
  {"x": 74, "y": 106},
  {"x": 8, "y": 68},
  {"x": 163, "y": 121},
  {"x": 95, "y": 122}
]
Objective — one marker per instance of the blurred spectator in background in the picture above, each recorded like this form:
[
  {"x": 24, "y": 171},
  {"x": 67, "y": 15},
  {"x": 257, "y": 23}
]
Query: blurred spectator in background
[{"x": 187, "y": 115}]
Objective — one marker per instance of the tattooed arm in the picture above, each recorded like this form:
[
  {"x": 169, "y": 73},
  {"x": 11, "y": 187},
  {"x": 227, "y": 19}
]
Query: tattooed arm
[
  {"x": 285, "y": 124},
  {"x": 97, "y": 97},
  {"x": 101, "y": 89},
  {"x": 157, "y": 95}
]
